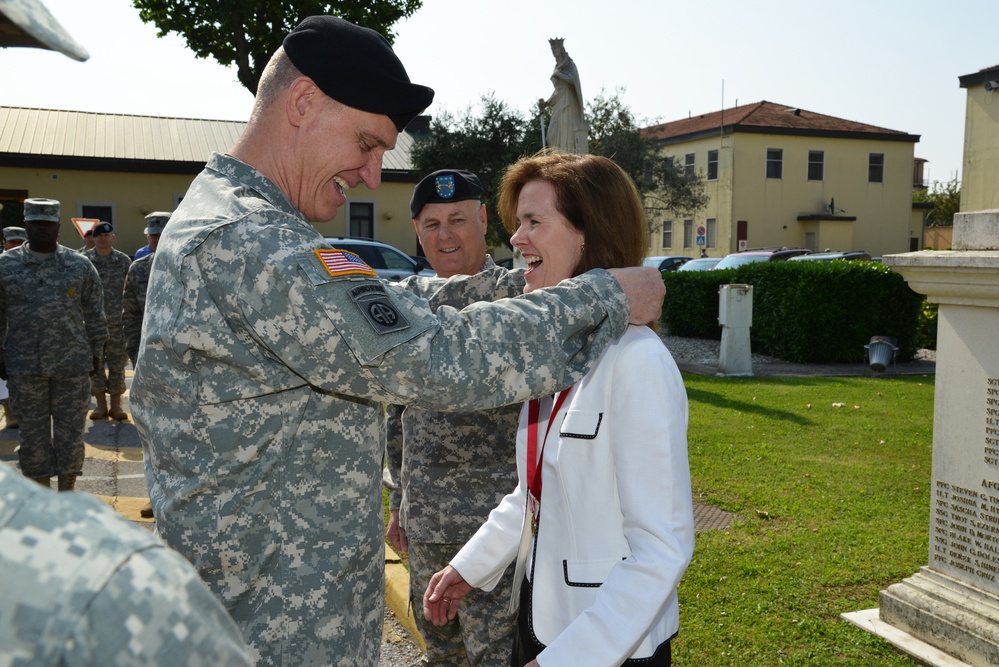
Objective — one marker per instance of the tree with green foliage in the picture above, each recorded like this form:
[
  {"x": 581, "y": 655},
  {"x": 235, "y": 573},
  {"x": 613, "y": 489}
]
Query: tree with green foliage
[
  {"x": 663, "y": 185},
  {"x": 946, "y": 200},
  {"x": 248, "y": 32},
  {"x": 484, "y": 144}
]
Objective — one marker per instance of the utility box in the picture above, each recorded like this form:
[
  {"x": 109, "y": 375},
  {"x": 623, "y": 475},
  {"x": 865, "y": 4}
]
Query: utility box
[
  {"x": 735, "y": 315},
  {"x": 735, "y": 306}
]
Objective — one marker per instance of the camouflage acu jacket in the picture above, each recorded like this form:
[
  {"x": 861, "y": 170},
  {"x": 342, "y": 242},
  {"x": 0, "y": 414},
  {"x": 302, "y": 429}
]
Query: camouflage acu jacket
[
  {"x": 450, "y": 469},
  {"x": 51, "y": 313},
  {"x": 112, "y": 269},
  {"x": 134, "y": 302},
  {"x": 79, "y": 585}
]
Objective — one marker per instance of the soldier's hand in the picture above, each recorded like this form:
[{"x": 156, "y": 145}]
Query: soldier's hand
[
  {"x": 643, "y": 285},
  {"x": 97, "y": 366},
  {"x": 395, "y": 533},
  {"x": 444, "y": 594}
]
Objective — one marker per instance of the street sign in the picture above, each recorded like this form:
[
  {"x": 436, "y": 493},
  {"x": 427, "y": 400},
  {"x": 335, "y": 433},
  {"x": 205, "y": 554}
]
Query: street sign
[
  {"x": 701, "y": 240},
  {"x": 701, "y": 231}
]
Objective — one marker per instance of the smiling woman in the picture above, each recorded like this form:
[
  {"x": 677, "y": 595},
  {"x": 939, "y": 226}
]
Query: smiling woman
[{"x": 615, "y": 530}]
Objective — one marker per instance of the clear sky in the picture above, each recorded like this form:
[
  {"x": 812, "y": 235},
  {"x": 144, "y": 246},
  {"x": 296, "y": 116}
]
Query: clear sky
[{"x": 890, "y": 63}]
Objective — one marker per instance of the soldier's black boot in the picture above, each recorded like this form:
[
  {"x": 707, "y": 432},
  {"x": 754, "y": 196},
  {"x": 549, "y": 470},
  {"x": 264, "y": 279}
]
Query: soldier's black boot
[{"x": 67, "y": 482}]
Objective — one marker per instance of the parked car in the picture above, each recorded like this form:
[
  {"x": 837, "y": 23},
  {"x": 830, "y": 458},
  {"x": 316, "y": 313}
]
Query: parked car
[
  {"x": 762, "y": 255},
  {"x": 829, "y": 256},
  {"x": 667, "y": 262},
  {"x": 388, "y": 262},
  {"x": 700, "y": 264}
]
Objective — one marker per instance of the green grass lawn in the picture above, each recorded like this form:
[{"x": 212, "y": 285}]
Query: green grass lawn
[{"x": 834, "y": 503}]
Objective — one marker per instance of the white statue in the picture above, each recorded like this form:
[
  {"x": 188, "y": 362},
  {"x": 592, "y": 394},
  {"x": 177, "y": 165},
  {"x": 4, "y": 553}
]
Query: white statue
[{"x": 567, "y": 127}]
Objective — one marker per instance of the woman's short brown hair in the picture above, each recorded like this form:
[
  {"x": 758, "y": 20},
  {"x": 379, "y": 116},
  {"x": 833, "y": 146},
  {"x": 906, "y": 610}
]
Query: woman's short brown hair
[{"x": 595, "y": 195}]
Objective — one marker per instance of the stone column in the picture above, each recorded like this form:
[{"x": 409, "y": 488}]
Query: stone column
[{"x": 948, "y": 612}]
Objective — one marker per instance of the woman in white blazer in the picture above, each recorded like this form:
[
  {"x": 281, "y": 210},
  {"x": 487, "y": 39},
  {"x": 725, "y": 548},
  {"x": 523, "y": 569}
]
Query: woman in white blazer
[{"x": 603, "y": 534}]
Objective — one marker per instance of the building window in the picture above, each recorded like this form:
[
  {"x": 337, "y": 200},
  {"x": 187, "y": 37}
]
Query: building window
[
  {"x": 876, "y": 168},
  {"x": 688, "y": 233},
  {"x": 103, "y": 211},
  {"x": 816, "y": 165},
  {"x": 712, "y": 229},
  {"x": 688, "y": 165},
  {"x": 667, "y": 233},
  {"x": 775, "y": 163},
  {"x": 361, "y": 220},
  {"x": 713, "y": 165}
]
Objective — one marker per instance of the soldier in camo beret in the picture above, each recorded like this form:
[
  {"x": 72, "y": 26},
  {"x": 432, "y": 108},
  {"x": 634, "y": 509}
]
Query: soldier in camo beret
[
  {"x": 451, "y": 468},
  {"x": 52, "y": 331},
  {"x": 82, "y": 586},
  {"x": 266, "y": 354},
  {"x": 112, "y": 266}
]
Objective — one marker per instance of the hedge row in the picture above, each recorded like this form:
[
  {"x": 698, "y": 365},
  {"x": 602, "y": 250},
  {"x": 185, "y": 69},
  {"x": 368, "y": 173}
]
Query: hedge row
[{"x": 815, "y": 312}]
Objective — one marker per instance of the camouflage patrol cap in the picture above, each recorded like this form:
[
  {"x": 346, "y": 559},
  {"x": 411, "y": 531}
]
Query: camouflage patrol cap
[
  {"x": 443, "y": 187},
  {"x": 41, "y": 209},
  {"x": 15, "y": 234},
  {"x": 156, "y": 221}
]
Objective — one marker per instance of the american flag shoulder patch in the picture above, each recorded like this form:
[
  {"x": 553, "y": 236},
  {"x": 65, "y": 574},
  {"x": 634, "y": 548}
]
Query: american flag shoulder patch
[{"x": 343, "y": 263}]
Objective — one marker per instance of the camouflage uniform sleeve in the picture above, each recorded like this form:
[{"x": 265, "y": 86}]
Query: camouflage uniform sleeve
[
  {"x": 154, "y": 610},
  {"x": 487, "y": 355},
  {"x": 393, "y": 454},
  {"x": 131, "y": 313},
  {"x": 92, "y": 300},
  {"x": 3, "y": 321}
]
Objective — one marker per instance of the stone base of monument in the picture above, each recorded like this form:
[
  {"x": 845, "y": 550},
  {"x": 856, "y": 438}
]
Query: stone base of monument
[
  {"x": 870, "y": 621},
  {"x": 946, "y": 613}
]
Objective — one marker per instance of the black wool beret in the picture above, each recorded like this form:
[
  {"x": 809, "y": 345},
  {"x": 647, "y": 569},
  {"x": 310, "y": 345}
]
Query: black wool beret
[
  {"x": 444, "y": 186},
  {"x": 356, "y": 66}
]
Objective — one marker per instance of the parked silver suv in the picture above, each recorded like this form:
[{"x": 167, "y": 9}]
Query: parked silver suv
[{"x": 388, "y": 262}]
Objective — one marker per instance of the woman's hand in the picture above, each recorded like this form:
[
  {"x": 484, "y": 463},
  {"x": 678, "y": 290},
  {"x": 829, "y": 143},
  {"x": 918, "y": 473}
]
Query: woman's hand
[{"x": 444, "y": 594}]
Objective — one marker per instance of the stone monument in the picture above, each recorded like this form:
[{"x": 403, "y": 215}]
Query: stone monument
[
  {"x": 947, "y": 613},
  {"x": 567, "y": 127}
]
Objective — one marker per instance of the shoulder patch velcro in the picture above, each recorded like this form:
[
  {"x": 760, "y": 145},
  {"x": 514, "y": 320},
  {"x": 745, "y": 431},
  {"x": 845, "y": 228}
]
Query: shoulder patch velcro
[
  {"x": 377, "y": 308},
  {"x": 343, "y": 263}
]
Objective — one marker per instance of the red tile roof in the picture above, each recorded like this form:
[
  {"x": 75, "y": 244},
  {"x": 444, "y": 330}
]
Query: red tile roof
[{"x": 770, "y": 118}]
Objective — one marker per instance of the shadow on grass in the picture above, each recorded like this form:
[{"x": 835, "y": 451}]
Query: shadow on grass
[{"x": 720, "y": 401}]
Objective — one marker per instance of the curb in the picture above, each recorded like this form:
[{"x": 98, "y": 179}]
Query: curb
[{"x": 397, "y": 594}]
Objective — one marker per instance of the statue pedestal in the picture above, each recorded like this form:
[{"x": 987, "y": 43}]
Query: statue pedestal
[{"x": 953, "y": 603}]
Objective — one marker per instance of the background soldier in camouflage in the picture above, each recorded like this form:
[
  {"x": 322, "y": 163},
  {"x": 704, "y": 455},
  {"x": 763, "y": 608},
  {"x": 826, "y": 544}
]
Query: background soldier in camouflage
[
  {"x": 112, "y": 266},
  {"x": 266, "y": 355},
  {"x": 79, "y": 585},
  {"x": 453, "y": 468},
  {"x": 136, "y": 283},
  {"x": 12, "y": 238},
  {"x": 52, "y": 330}
]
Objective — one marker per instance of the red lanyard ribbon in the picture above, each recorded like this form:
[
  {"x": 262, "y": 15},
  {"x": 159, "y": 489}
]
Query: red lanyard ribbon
[{"x": 534, "y": 459}]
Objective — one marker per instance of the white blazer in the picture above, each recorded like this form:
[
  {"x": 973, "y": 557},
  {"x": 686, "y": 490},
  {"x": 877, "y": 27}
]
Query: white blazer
[{"x": 617, "y": 524}]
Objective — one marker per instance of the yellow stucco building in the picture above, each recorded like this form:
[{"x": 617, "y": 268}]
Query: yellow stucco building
[
  {"x": 981, "y": 141},
  {"x": 119, "y": 167},
  {"x": 782, "y": 176}
]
